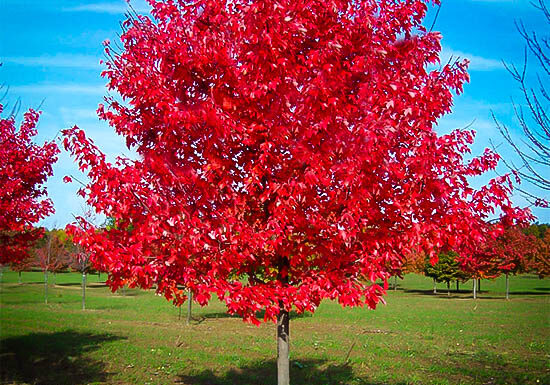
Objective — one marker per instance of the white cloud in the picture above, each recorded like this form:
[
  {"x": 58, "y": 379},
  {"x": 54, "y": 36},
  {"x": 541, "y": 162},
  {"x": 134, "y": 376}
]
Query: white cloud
[
  {"x": 70, "y": 115},
  {"x": 477, "y": 63},
  {"x": 59, "y": 60},
  {"x": 48, "y": 89},
  {"x": 111, "y": 7}
]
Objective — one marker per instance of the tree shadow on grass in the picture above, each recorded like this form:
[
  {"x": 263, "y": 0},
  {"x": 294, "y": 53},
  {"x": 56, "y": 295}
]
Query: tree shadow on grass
[
  {"x": 463, "y": 294},
  {"x": 259, "y": 315},
  {"x": 311, "y": 372},
  {"x": 79, "y": 284},
  {"x": 539, "y": 291},
  {"x": 52, "y": 358},
  {"x": 440, "y": 293},
  {"x": 476, "y": 369}
]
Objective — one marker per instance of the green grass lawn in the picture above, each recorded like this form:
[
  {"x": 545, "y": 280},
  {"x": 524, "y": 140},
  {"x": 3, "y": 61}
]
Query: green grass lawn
[{"x": 136, "y": 338}]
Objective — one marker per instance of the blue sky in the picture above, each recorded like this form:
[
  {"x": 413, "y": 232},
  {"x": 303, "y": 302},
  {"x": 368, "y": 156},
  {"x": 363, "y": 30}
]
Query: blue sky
[{"x": 51, "y": 50}]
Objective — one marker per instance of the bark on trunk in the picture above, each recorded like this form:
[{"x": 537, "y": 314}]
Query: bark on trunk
[
  {"x": 435, "y": 287},
  {"x": 20, "y": 278},
  {"x": 507, "y": 286},
  {"x": 448, "y": 288},
  {"x": 189, "y": 306},
  {"x": 46, "y": 286},
  {"x": 457, "y": 288},
  {"x": 46, "y": 270},
  {"x": 83, "y": 291},
  {"x": 283, "y": 362},
  {"x": 475, "y": 288},
  {"x": 479, "y": 285},
  {"x": 395, "y": 282}
]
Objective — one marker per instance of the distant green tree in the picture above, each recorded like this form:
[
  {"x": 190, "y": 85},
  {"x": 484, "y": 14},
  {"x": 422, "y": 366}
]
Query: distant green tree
[
  {"x": 447, "y": 269},
  {"x": 538, "y": 230}
]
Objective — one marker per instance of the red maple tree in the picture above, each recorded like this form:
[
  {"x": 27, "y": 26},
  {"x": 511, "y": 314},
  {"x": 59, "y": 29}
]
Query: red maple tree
[
  {"x": 26, "y": 263},
  {"x": 512, "y": 250},
  {"x": 539, "y": 261},
  {"x": 509, "y": 253},
  {"x": 24, "y": 168},
  {"x": 53, "y": 255},
  {"x": 287, "y": 154}
]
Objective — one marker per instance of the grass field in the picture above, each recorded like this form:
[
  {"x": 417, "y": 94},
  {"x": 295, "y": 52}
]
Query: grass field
[{"x": 136, "y": 338}]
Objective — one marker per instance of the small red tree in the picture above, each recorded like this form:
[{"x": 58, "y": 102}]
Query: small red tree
[
  {"x": 507, "y": 254},
  {"x": 24, "y": 264},
  {"x": 511, "y": 252},
  {"x": 52, "y": 257},
  {"x": 414, "y": 263},
  {"x": 539, "y": 262},
  {"x": 80, "y": 261},
  {"x": 24, "y": 167},
  {"x": 286, "y": 155}
]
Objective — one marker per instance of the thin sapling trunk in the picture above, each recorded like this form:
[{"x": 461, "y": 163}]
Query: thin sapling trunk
[
  {"x": 189, "y": 305},
  {"x": 83, "y": 290},
  {"x": 46, "y": 286},
  {"x": 435, "y": 287},
  {"x": 49, "y": 252},
  {"x": 507, "y": 286},
  {"x": 283, "y": 345}
]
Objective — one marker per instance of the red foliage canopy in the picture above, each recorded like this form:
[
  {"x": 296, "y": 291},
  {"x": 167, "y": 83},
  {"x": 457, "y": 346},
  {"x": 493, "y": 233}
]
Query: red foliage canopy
[
  {"x": 539, "y": 262},
  {"x": 24, "y": 167},
  {"x": 26, "y": 263},
  {"x": 510, "y": 252},
  {"x": 286, "y": 153},
  {"x": 53, "y": 255}
]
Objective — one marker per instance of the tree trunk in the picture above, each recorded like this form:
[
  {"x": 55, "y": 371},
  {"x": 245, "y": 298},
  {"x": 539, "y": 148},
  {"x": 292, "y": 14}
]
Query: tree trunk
[
  {"x": 479, "y": 285},
  {"x": 448, "y": 288},
  {"x": 46, "y": 270},
  {"x": 395, "y": 282},
  {"x": 475, "y": 288},
  {"x": 45, "y": 286},
  {"x": 20, "y": 281},
  {"x": 435, "y": 287},
  {"x": 283, "y": 362},
  {"x": 507, "y": 286},
  {"x": 84, "y": 291},
  {"x": 189, "y": 305},
  {"x": 457, "y": 288}
]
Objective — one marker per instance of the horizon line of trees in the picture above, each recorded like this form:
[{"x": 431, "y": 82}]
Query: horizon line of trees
[{"x": 516, "y": 251}]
